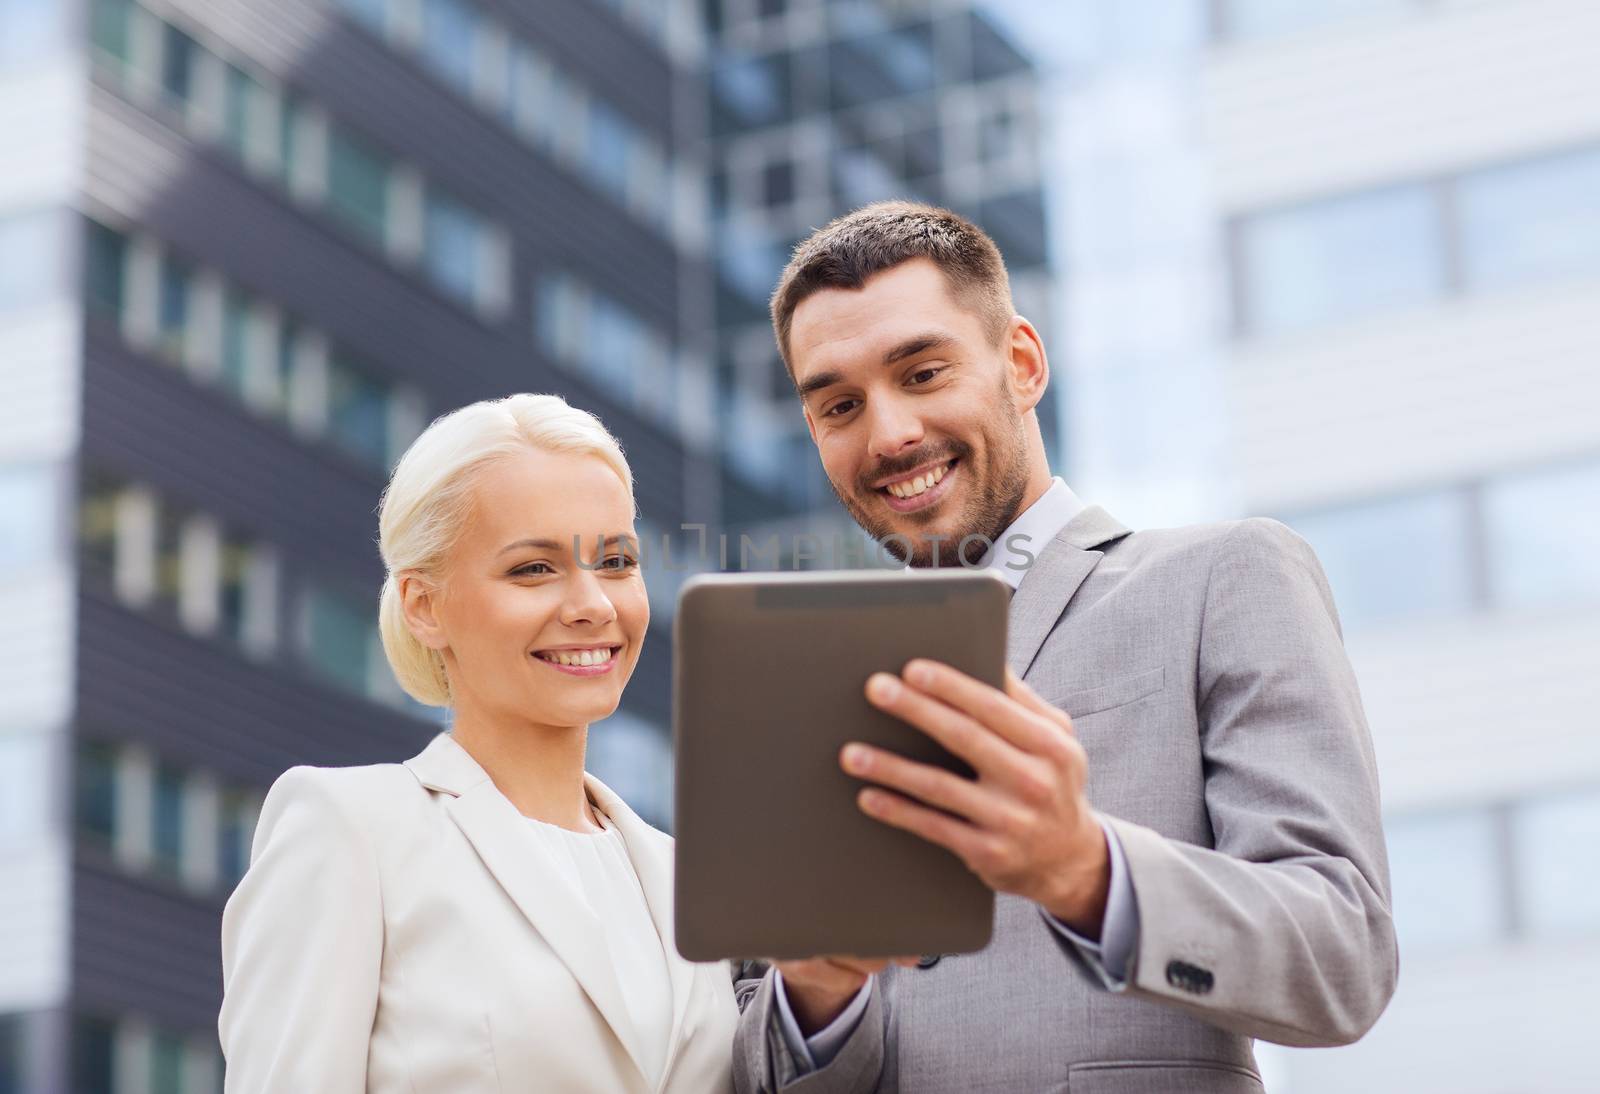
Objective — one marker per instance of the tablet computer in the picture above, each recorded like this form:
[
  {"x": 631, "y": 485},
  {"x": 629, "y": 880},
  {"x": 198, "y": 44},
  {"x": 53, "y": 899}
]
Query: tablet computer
[{"x": 774, "y": 857}]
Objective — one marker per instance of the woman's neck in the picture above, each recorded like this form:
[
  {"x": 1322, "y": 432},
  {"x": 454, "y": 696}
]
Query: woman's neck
[{"x": 538, "y": 768}]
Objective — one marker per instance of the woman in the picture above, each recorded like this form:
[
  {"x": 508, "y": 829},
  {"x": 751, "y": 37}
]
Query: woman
[{"x": 485, "y": 916}]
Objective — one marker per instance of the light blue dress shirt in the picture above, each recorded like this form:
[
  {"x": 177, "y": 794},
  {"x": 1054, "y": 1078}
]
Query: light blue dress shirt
[{"x": 1010, "y": 557}]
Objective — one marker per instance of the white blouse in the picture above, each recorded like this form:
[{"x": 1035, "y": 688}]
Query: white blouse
[{"x": 597, "y": 866}]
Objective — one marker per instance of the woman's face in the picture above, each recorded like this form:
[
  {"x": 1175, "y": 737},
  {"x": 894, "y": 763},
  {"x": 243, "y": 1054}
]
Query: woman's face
[{"x": 537, "y": 627}]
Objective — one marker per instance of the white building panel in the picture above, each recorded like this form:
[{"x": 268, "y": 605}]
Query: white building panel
[
  {"x": 1482, "y": 709},
  {"x": 1436, "y": 396},
  {"x": 1423, "y": 92}
]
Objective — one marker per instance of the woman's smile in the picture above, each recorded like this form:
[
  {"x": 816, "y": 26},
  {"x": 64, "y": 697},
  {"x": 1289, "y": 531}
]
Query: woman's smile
[{"x": 580, "y": 660}]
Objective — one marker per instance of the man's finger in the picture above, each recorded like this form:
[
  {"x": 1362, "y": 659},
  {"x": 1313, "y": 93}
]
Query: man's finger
[
  {"x": 1019, "y": 725},
  {"x": 930, "y": 785},
  {"x": 956, "y": 836},
  {"x": 975, "y": 743}
]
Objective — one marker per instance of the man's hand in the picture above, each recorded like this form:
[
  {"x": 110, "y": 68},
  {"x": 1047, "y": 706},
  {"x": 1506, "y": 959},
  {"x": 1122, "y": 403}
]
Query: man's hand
[
  {"x": 1024, "y": 825},
  {"x": 819, "y": 988}
]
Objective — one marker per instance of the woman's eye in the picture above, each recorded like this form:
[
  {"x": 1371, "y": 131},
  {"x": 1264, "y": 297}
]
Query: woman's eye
[
  {"x": 618, "y": 562},
  {"x": 534, "y": 569}
]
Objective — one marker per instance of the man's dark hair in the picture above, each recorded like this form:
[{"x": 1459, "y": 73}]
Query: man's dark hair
[{"x": 847, "y": 251}]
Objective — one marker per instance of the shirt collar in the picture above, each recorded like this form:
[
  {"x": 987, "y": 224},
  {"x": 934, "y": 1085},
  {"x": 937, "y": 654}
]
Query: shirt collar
[{"x": 1037, "y": 525}]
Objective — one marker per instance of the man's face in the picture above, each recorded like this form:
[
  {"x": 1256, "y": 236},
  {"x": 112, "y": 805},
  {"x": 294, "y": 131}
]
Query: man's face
[{"x": 913, "y": 411}]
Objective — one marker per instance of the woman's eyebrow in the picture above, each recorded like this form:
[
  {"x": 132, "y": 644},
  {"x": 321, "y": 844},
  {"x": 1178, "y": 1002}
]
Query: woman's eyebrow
[{"x": 540, "y": 544}]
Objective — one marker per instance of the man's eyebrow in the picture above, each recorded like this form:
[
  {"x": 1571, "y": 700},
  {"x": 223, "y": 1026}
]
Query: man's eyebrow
[
  {"x": 922, "y": 343},
  {"x": 911, "y": 347}
]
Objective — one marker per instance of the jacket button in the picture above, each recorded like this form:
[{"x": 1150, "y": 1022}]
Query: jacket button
[
  {"x": 928, "y": 960},
  {"x": 1190, "y": 978}
]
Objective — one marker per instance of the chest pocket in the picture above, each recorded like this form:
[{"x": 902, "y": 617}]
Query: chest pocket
[{"x": 1082, "y": 702}]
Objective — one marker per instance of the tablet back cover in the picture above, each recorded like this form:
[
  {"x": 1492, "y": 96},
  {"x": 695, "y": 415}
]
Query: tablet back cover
[{"x": 774, "y": 858}]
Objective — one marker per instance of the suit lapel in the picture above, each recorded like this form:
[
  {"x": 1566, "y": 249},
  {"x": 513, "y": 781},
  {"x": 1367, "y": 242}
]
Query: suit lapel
[
  {"x": 523, "y": 868},
  {"x": 650, "y": 852},
  {"x": 1050, "y": 583}
]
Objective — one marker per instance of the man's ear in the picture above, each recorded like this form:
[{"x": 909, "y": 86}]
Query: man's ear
[
  {"x": 1030, "y": 367},
  {"x": 418, "y": 600}
]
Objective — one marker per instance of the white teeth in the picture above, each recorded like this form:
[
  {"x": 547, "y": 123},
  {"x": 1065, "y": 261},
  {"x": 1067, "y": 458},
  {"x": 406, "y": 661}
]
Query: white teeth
[
  {"x": 578, "y": 657},
  {"x": 918, "y": 485}
]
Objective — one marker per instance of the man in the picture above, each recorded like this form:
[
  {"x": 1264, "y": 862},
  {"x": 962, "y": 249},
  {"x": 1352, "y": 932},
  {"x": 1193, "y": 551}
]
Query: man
[{"x": 1176, "y": 800}]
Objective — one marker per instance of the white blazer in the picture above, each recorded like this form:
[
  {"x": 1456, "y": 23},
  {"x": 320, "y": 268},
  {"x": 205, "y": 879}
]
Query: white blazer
[{"x": 398, "y": 931}]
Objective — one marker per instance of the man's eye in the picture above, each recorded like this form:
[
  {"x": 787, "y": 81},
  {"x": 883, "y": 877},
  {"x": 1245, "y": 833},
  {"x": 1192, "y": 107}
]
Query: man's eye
[
  {"x": 843, "y": 406},
  {"x": 922, "y": 376}
]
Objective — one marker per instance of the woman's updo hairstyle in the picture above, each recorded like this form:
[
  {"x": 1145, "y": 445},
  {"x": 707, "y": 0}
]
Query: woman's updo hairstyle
[{"x": 429, "y": 500}]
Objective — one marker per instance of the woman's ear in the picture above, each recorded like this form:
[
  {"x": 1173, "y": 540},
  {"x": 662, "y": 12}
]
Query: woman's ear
[
  {"x": 1030, "y": 368},
  {"x": 419, "y": 603}
]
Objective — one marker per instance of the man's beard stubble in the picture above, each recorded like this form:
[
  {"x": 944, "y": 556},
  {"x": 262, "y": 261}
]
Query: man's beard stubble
[{"x": 991, "y": 506}]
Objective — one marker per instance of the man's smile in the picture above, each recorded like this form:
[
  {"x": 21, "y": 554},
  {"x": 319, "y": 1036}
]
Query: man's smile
[{"x": 918, "y": 489}]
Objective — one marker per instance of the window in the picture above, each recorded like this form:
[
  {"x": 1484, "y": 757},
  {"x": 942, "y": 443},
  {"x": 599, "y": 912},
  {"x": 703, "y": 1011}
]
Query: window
[
  {"x": 1536, "y": 561},
  {"x": 110, "y": 27},
  {"x": 236, "y": 345},
  {"x": 450, "y": 34},
  {"x": 96, "y": 792},
  {"x": 93, "y": 1056},
  {"x": 336, "y": 638},
  {"x": 166, "y": 1064},
  {"x": 1398, "y": 558},
  {"x": 248, "y": 112},
  {"x": 234, "y": 576},
  {"x": 179, "y": 56},
  {"x": 169, "y": 560},
  {"x": 1447, "y": 879},
  {"x": 97, "y": 525},
  {"x": 455, "y": 249},
  {"x": 610, "y": 148},
  {"x": 1554, "y": 841},
  {"x": 1531, "y": 221},
  {"x": 175, "y": 301},
  {"x": 358, "y": 413},
  {"x": 166, "y": 830},
  {"x": 1339, "y": 259},
  {"x": 106, "y": 270},
  {"x": 233, "y": 840},
  {"x": 777, "y": 183},
  {"x": 373, "y": 14},
  {"x": 750, "y": 91},
  {"x": 27, "y": 517},
  {"x": 13, "y": 1068},
  {"x": 358, "y": 185}
]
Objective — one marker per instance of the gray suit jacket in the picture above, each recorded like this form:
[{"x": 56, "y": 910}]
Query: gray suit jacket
[{"x": 1205, "y": 674}]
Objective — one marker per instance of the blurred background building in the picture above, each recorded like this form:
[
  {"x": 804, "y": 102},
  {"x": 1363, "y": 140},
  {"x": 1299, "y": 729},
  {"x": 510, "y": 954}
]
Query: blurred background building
[
  {"x": 818, "y": 108},
  {"x": 247, "y": 252},
  {"x": 1336, "y": 262},
  {"x": 1339, "y": 263}
]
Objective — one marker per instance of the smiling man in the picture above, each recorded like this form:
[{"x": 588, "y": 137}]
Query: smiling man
[{"x": 1175, "y": 796}]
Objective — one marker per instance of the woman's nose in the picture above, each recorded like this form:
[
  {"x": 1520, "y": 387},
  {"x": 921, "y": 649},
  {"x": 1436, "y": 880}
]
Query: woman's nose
[{"x": 586, "y": 600}]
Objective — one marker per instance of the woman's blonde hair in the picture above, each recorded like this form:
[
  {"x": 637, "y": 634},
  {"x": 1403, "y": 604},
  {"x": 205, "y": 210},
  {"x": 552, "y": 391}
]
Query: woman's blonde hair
[{"x": 429, "y": 500}]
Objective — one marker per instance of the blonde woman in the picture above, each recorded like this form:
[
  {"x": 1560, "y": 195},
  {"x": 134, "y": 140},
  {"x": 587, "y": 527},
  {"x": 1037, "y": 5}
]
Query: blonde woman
[{"x": 485, "y": 916}]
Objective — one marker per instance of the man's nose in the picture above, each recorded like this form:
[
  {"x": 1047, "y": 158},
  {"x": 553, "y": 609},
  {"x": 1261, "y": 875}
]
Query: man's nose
[{"x": 894, "y": 429}]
